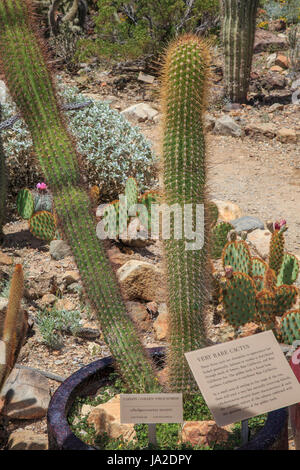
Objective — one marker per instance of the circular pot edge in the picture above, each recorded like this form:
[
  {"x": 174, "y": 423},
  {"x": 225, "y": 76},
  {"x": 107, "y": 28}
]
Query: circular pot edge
[{"x": 61, "y": 437}]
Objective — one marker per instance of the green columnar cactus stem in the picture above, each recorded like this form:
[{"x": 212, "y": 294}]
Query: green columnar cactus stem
[
  {"x": 289, "y": 270},
  {"x": 25, "y": 203},
  {"x": 238, "y": 31},
  {"x": 276, "y": 253},
  {"x": 3, "y": 185},
  {"x": 184, "y": 171},
  {"x": 28, "y": 77}
]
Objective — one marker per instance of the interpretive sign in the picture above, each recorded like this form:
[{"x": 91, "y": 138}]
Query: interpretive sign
[
  {"x": 151, "y": 408},
  {"x": 243, "y": 378}
]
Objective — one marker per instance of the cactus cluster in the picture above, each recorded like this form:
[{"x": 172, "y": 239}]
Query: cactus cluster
[
  {"x": 184, "y": 81},
  {"x": 120, "y": 212},
  {"x": 238, "y": 30},
  {"x": 24, "y": 65},
  {"x": 290, "y": 326},
  {"x": 37, "y": 208},
  {"x": 252, "y": 290},
  {"x": 218, "y": 238},
  {"x": 14, "y": 326}
]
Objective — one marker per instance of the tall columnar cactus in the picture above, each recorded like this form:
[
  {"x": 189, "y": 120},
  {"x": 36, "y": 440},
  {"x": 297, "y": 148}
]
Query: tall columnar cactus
[
  {"x": 14, "y": 326},
  {"x": 184, "y": 171},
  {"x": 23, "y": 62},
  {"x": 238, "y": 29},
  {"x": 3, "y": 185}
]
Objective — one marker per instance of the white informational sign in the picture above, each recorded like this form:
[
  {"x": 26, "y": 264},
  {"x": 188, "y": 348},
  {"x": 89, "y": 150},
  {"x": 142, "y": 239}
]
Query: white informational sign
[
  {"x": 243, "y": 378},
  {"x": 145, "y": 408}
]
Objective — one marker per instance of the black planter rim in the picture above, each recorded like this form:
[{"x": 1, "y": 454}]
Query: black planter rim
[{"x": 62, "y": 438}]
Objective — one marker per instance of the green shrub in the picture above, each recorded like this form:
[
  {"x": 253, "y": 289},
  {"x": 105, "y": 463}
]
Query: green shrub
[
  {"x": 112, "y": 149},
  {"x": 52, "y": 322},
  {"x": 128, "y": 30}
]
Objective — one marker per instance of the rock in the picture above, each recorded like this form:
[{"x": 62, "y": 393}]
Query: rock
[
  {"x": 232, "y": 107},
  {"x": 225, "y": 125},
  {"x": 27, "y": 440},
  {"x": 260, "y": 241},
  {"x": 276, "y": 68},
  {"x": 275, "y": 107},
  {"x": 209, "y": 122},
  {"x": 203, "y": 433},
  {"x": 161, "y": 324},
  {"x": 140, "y": 111},
  {"x": 141, "y": 280},
  {"x": 26, "y": 394},
  {"x": 5, "y": 259},
  {"x": 59, "y": 249},
  {"x": 266, "y": 40},
  {"x": 273, "y": 81},
  {"x": 70, "y": 277},
  {"x": 139, "y": 315},
  {"x": 65, "y": 304},
  {"x": 152, "y": 308},
  {"x": 271, "y": 59},
  {"x": 3, "y": 93},
  {"x": 136, "y": 235},
  {"x": 249, "y": 329},
  {"x": 162, "y": 376},
  {"x": 88, "y": 333},
  {"x": 282, "y": 61},
  {"x": 143, "y": 77},
  {"x": 75, "y": 288},
  {"x": 296, "y": 97},
  {"x": 287, "y": 136},
  {"x": 106, "y": 419},
  {"x": 295, "y": 85},
  {"x": 247, "y": 224},
  {"x": 47, "y": 300},
  {"x": 277, "y": 25},
  {"x": 261, "y": 130},
  {"x": 228, "y": 211},
  {"x": 117, "y": 257},
  {"x": 3, "y": 304}
]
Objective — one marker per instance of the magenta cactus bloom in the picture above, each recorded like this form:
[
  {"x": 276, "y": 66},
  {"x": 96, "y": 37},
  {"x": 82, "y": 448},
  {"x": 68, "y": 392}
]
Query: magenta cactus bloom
[
  {"x": 282, "y": 222},
  {"x": 41, "y": 186},
  {"x": 277, "y": 226}
]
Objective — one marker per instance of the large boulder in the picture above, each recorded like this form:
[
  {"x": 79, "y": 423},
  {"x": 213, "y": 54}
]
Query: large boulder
[
  {"x": 266, "y": 40},
  {"x": 203, "y": 433},
  {"x": 225, "y": 125}
]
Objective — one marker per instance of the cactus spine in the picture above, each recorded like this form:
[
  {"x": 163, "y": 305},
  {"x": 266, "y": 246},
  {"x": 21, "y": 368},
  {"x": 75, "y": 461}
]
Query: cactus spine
[
  {"x": 28, "y": 77},
  {"x": 238, "y": 31},
  {"x": 14, "y": 328},
  {"x": 184, "y": 170}
]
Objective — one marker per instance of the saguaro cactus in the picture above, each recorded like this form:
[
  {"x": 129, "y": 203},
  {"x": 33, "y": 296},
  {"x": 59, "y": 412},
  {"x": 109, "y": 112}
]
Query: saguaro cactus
[
  {"x": 238, "y": 30},
  {"x": 23, "y": 63},
  {"x": 184, "y": 169}
]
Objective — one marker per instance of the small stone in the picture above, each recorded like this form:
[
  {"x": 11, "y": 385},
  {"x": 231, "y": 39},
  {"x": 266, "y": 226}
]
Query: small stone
[
  {"x": 47, "y": 299},
  {"x": 70, "y": 277},
  {"x": 152, "y": 308},
  {"x": 249, "y": 329},
  {"x": 138, "y": 313},
  {"x": 140, "y": 111},
  {"x": 5, "y": 259},
  {"x": 88, "y": 333},
  {"x": 287, "y": 136},
  {"x": 261, "y": 130},
  {"x": 59, "y": 249},
  {"x": 117, "y": 257},
  {"x": 282, "y": 61},
  {"x": 136, "y": 235},
  {"x": 161, "y": 326},
  {"x": 3, "y": 304},
  {"x": 27, "y": 440},
  {"x": 225, "y": 125},
  {"x": 26, "y": 395},
  {"x": 275, "y": 107},
  {"x": 295, "y": 85},
  {"x": 266, "y": 40},
  {"x": 209, "y": 122},
  {"x": 143, "y": 77},
  {"x": 271, "y": 59},
  {"x": 65, "y": 304},
  {"x": 276, "y": 68},
  {"x": 203, "y": 433},
  {"x": 106, "y": 419},
  {"x": 141, "y": 280},
  {"x": 228, "y": 211},
  {"x": 260, "y": 240},
  {"x": 247, "y": 224}
]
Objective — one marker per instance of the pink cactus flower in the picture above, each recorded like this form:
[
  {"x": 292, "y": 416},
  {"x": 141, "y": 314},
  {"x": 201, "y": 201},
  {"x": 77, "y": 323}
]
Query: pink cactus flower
[
  {"x": 277, "y": 226},
  {"x": 282, "y": 222},
  {"x": 41, "y": 186}
]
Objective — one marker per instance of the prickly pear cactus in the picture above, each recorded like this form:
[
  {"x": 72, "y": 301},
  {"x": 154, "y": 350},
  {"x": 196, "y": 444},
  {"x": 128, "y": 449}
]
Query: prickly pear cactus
[
  {"x": 42, "y": 225},
  {"x": 289, "y": 270},
  {"x": 239, "y": 297},
  {"x": 290, "y": 326},
  {"x": 237, "y": 255},
  {"x": 259, "y": 267},
  {"x": 25, "y": 203}
]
